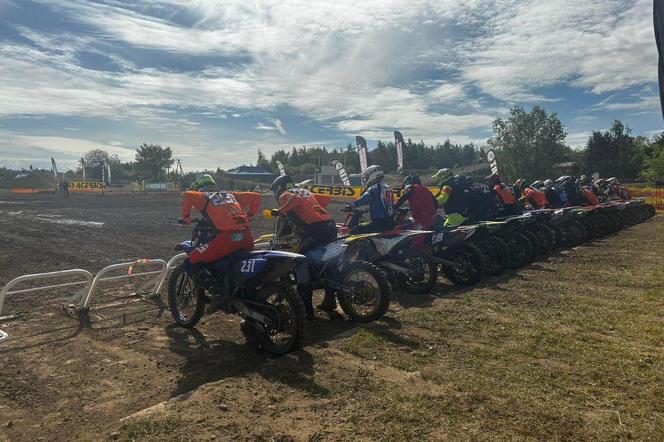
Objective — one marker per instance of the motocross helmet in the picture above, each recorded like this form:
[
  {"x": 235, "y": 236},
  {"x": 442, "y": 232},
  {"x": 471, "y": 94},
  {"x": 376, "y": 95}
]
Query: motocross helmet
[
  {"x": 371, "y": 175},
  {"x": 203, "y": 182},
  {"x": 442, "y": 176},
  {"x": 537, "y": 184},
  {"x": 281, "y": 184},
  {"x": 462, "y": 181},
  {"x": 518, "y": 187},
  {"x": 411, "y": 179}
]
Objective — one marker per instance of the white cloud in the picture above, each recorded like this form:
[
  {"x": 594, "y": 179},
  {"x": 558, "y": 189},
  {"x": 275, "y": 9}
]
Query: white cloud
[
  {"x": 348, "y": 66},
  {"x": 601, "y": 45}
]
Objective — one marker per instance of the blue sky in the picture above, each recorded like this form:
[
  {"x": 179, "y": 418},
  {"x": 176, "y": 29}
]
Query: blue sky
[{"x": 217, "y": 80}]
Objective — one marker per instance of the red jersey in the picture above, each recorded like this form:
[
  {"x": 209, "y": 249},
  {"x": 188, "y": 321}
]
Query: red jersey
[
  {"x": 421, "y": 203},
  {"x": 301, "y": 205},
  {"x": 221, "y": 208}
]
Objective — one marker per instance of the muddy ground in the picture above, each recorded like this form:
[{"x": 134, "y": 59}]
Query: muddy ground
[{"x": 567, "y": 348}]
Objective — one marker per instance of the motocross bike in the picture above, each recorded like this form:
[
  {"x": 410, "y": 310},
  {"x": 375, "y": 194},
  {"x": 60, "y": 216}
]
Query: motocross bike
[
  {"x": 460, "y": 260},
  {"x": 361, "y": 287},
  {"x": 259, "y": 286},
  {"x": 412, "y": 269},
  {"x": 573, "y": 225}
]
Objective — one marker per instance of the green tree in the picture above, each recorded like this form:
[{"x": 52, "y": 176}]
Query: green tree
[
  {"x": 528, "y": 144},
  {"x": 152, "y": 160},
  {"x": 96, "y": 159},
  {"x": 616, "y": 152},
  {"x": 654, "y": 161}
]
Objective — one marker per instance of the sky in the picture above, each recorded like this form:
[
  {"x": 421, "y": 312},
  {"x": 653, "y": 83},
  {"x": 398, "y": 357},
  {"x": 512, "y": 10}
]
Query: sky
[{"x": 218, "y": 80}]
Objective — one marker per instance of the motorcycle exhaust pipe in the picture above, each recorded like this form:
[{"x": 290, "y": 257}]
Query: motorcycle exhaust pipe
[
  {"x": 242, "y": 308},
  {"x": 442, "y": 261}
]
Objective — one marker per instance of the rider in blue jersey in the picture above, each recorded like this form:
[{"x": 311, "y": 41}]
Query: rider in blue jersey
[{"x": 380, "y": 199}]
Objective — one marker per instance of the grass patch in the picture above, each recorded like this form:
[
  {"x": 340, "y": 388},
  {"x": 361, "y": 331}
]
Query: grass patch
[
  {"x": 394, "y": 351},
  {"x": 144, "y": 428}
]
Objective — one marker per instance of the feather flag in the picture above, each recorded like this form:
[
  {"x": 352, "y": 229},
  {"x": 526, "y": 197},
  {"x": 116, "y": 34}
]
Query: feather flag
[
  {"x": 341, "y": 170},
  {"x": 282, "y": 169},
  {"x": 362, "y": 151},
  {"x": 398, "y": 142},
  {"x": 55, "y": 171}
]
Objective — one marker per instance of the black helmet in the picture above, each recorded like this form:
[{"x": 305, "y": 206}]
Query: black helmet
[
  {"x": 461, "y": 181},
  {"x": 281, "y": 184},
  {"x": 411, "y": 179}
]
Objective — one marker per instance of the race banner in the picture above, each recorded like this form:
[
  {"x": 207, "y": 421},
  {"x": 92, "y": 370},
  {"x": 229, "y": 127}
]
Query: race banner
[
  {"x": 86, "y": 186},
  {"x": 362, "y": 152},
  {"x": 337, "y": 192},
  {"x": 282, "y": 169},
  {"x": 398, "y": 143},
  {"x": 341, "y": 170},
  {"x": 351, "y": 193},
  {"x": 142, "y": 186},
  {"x": 162, "y": 187}
]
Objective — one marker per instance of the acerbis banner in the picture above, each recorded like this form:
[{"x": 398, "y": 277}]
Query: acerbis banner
[{"x": 86, "y": 186}]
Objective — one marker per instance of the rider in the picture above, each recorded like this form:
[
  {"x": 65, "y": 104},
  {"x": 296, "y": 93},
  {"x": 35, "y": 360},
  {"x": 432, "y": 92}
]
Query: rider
[
  {"x": 552, "y": 194},
  {"x": 511, "y": 205},
  {"x": 452, "y": 196},
  {"x": 588, "y": 190},
  {"x": 423, "y": 206},
  {"x": 380, "y": 199},
  {"x": 303, "y": 209},
  {"x": 316, "y": 224},
  {"x": 534, "y": 197},
  {"x": 574, "y": 195},
  {"x": 233, "y": 231}
]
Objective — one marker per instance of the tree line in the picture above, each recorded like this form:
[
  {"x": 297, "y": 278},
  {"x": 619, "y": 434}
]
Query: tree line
[{"x": 528, "y": 144}]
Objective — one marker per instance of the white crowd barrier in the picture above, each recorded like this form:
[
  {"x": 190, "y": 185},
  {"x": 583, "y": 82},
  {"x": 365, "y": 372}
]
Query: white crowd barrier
[{"x": 82, "y": 299}]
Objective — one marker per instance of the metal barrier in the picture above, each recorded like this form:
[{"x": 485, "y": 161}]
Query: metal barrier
[
  {"x": 84, "y": 303},
  {"x": 82, "y": 298},
  {"x": 39, "y": 276}
]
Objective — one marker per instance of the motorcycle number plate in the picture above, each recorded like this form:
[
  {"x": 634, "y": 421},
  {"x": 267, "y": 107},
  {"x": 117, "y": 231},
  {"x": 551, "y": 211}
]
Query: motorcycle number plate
[
  {"x": 438, "y": 237},
  {"x": 251, "y": 266}
]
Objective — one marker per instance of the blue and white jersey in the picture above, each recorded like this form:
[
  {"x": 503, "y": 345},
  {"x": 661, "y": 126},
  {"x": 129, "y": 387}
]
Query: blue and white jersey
[{"x": 380, "y": 199}]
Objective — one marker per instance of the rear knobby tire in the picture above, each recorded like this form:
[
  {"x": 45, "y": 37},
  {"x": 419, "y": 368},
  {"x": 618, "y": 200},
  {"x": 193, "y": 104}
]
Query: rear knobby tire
[
  {"x": 427, "y": 266},
  {"x": 470, "y": 259},
  {"x": 355, "y": 303},
  {"x": 285, "y": 308},
  {"x": 496, "y": 255}
]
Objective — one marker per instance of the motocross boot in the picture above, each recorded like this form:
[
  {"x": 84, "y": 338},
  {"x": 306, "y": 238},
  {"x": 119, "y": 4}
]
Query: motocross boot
[{"x": 329, "y": 303}]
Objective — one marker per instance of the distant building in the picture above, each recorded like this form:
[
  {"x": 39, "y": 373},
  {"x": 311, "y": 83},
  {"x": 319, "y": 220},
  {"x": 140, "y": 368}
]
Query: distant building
[
  {"x": 251, "y": 173},
  {"x": 327, "y": 175}
]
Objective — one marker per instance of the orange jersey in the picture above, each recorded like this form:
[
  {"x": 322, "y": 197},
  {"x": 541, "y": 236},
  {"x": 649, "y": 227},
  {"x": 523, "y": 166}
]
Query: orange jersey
[
  {"x": 303, "y": 206},
  {"x": 220, "y": 207},
  {"x": 250, "y": 202},
  {"x": 536, "y": 198},
  {"x": 505, "y": 195},
  {"x": 592, "y": 199}
]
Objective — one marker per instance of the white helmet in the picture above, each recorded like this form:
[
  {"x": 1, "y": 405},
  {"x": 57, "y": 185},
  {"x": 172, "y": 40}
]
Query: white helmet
[{"x": 371, "y": 174}]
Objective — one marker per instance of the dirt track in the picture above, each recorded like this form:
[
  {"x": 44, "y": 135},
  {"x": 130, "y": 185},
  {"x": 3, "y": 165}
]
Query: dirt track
[{"x": 530, "y": 354}]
